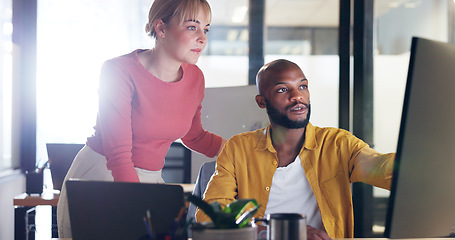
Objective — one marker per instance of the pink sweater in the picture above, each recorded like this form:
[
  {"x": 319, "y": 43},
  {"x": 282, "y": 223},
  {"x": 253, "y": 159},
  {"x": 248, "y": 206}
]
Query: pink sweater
[{"x": 140, "y": 116}]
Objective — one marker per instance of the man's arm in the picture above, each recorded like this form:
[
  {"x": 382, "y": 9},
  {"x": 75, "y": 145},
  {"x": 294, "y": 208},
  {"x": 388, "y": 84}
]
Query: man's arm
[
  {"x": 222, "y": 187},
  {"x": 316, "y": 234},
  {"x": 373, "y": 168}
]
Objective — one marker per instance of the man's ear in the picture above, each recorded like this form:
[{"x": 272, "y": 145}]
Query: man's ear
[
  {"x": 160, "y": 28},
  {"x": 260, "y": 100}
]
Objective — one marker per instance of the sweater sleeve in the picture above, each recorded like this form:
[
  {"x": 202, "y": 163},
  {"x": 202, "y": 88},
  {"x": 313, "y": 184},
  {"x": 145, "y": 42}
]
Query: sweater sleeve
[
  {"x": 200, "y": 140},
  {"x": 197, "y": 138},
  {"x": 116, "y": 93}
]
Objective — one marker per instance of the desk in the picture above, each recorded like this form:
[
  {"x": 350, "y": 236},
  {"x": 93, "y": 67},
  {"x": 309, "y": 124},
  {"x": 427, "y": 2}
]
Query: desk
[
  {"x": 187, "y": 187},
  {"x": 25, "y": 205},
  {"x": 25, "y": 200},
  {"x": 334, "y": 239}
]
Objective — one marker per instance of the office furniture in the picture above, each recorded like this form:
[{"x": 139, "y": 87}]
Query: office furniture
[
  {"x": 333, "y": 239},
  {"x": 25, "y": 210},
  {"x": 205, "y": 173},
  {"x": 61, "y": 156},
  {"x": 187, "y": 187},
  {"x": 177, "y": 164},
  {"x": 177, "y": 170}
]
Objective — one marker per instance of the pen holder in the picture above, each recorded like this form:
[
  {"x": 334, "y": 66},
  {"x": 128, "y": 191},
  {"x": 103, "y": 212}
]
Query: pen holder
[{"x": 34, "y": 182}]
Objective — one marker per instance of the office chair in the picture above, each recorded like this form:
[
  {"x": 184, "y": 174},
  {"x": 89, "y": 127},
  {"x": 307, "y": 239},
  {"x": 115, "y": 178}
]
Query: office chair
[{"x": 203, "y": 178}]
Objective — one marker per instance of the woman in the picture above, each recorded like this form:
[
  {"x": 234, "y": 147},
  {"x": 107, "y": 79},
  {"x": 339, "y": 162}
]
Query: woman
[{"x": 148, "y": 99}]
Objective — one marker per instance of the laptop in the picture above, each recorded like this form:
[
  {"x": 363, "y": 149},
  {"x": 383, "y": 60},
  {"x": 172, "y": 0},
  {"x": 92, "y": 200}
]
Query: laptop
[
  {"x": 61, "y": 156},
  {"x": 116, "y": 210}
]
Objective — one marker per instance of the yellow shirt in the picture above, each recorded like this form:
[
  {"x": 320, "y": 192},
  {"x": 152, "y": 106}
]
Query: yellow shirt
[{"x": 331, "y": 158}]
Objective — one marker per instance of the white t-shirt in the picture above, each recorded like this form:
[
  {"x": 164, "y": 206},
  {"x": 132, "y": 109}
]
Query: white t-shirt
[{"x": 291, "y": 193}]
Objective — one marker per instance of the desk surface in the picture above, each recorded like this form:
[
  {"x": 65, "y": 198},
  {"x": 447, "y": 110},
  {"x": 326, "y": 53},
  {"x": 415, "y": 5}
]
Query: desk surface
[
  {"x": 51, "y": 197},
  {"x": 46, "y": 198},
  {"x": 187, "y": 187},
  {"x": 333, "y": 239}
]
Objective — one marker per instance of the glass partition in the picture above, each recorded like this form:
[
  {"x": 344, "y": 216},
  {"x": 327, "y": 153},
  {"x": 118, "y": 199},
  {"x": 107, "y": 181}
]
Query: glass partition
[
  {"x": 308, "y": 35},
  {"x": 72, "y": 46},
  {"x": 74, "y": 38},
  {"x": 396, "y": 22}
]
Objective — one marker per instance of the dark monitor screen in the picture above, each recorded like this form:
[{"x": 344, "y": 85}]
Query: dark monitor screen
[
  {"x": 422, "y": 199},
  {"x": 116, "y": 210},
  {"x": 61, "y": 156}
]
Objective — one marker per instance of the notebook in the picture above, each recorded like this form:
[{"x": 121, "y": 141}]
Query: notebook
[
  {"x": 61, "y": 156},
  {"x": 116, "y": 210}
]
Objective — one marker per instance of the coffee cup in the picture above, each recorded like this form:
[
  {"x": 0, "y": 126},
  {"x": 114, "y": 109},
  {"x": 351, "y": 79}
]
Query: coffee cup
[{"x": 285, "y": 226}]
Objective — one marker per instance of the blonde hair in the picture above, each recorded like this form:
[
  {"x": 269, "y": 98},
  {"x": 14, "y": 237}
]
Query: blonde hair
[{"x": 182, "y": 9}]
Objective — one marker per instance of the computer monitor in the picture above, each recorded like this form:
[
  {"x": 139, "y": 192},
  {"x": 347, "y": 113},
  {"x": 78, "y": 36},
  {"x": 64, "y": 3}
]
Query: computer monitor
[
  {"x": 422, "y": 199},
  {"x": 61, "y": 156}
]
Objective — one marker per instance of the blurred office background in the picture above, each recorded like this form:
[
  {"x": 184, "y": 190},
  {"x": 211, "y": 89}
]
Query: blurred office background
[{"x": 49, "y": 85}]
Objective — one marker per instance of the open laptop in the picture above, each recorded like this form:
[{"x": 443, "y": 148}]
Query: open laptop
[
  {"x": 61, "y": 156},
  {"x": 116, "y": 210},
  {"x": 422, "y": 198}
]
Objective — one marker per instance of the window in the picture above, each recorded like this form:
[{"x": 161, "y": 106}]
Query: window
[
  {"x": 71, "y": 48},
  {"x": 396, "y": 22},
  {"x": 308, "y": 35},
  {"x": 6, "y": 68}
]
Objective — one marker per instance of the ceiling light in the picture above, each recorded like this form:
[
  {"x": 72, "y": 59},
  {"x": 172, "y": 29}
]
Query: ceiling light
[
  {"x": 239, "y": 14},
  {"x": 244, "y": 35},
  {"x": 232, "y": 35},
  {"x": 412, "y": 4},
  {"x": 395, "y": 4}
]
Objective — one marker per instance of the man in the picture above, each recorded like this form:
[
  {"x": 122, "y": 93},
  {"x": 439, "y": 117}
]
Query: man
[{"x": 293, "y": 166}]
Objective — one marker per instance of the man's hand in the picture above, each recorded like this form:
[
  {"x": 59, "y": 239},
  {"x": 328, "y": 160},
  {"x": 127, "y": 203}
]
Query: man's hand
[{"x": 316, "y": 234}]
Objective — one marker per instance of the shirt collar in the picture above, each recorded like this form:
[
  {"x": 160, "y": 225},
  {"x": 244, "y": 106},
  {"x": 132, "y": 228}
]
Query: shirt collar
[
  {"x": 310, "y": 137},
  {"x": 265, "y": 140}
]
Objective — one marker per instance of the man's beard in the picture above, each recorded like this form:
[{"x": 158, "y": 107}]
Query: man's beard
[{"x": 283, "y": 120}]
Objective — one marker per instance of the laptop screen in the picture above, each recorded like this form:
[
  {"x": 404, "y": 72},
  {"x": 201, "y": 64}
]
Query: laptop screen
[{"x": 116, "y": 210}]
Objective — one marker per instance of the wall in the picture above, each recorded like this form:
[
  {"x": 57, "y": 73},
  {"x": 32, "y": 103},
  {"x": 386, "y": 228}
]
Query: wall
[{"x": 228, "y": 111}]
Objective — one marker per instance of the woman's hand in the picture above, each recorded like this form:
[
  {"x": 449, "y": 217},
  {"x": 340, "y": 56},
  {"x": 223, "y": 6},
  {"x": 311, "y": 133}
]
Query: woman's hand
[{"x": 223, "y": 141}]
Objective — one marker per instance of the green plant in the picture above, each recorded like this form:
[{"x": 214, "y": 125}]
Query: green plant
[{"x": 234, "y": 215}]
